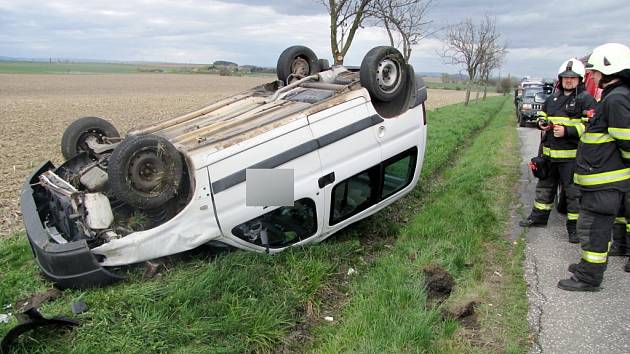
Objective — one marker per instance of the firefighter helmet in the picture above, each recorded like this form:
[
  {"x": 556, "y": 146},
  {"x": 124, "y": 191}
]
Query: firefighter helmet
[
  {"x": 571, "y": 68},
  {"x": 609, "y": 58}
]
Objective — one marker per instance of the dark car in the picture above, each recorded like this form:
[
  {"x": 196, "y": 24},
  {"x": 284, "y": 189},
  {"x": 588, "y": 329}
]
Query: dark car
[{"x": 530, "y": 104}]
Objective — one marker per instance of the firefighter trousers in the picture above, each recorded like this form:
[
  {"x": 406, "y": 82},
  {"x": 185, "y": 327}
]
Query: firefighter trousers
[
  {"x": 621, "y": 230},
  {"x": 598, "y": 210},
  {"x": 561, "y": 173}
]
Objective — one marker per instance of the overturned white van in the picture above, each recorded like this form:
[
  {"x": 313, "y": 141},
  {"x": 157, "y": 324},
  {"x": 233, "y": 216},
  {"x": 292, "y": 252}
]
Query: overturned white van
[{"x": 353, "y": 139}]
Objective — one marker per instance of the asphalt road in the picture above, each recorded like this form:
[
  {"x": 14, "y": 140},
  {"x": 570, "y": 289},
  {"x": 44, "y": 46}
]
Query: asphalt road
[{"x": 563, "y": 321}]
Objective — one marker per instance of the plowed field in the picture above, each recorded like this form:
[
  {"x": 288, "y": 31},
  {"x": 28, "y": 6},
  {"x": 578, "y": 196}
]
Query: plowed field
[{"x": 35, "y": 109}]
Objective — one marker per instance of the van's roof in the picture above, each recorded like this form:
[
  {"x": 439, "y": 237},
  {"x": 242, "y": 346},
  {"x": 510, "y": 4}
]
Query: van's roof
[{"x": 247, "y": 114}]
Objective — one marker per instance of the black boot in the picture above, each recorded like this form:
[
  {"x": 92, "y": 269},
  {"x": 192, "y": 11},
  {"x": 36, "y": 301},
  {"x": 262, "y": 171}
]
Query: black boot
[
  {"x": 574, "y": 284},
  {"x": 573, "y": 267},
  {"x": 627, "y": 267},
  {"x": 572, "y": 231},
  {"x": 619, "y": 245},
  {"x": 536, "y": 218}
]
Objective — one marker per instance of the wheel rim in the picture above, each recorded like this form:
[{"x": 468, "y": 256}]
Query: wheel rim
[
  {"x": 388, "y": 75},
  {"x": 300, "y": 67},
  {"x": 92, "y": 133},
  {"x": 146, "y": 172}
]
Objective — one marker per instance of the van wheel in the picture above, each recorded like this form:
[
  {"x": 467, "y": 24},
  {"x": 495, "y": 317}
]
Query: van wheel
[
  {"x": 384, "y": 73},
  {"x": 76, "y": 134},
  {"x": 298, "y": 61},
  {"x": 145, "y": 171}
]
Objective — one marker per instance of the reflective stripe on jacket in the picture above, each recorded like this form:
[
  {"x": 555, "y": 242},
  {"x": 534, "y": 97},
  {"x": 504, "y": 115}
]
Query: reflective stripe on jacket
[
  {"x": 565, "y": 110},
  {"x": 600, "y": 160}
]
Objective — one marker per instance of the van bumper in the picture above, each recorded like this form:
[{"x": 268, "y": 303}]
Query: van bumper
[{"x": 68, "y": 265}]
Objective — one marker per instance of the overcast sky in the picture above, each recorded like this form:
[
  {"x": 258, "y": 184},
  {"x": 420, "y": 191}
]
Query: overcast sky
[{"x": 540, "y": 34}]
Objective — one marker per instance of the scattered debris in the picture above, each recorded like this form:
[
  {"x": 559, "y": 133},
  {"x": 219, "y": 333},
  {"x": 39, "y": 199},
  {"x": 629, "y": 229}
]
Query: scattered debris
[
  {"x": 4, "y": 318},
  {"x": 351, "y": 271},
  {"x": 154, "y": 267},
  {"x": 79, "y": 307},
  {"x": 329, "y": 318},
  {"x": 36, "y": 300},
  {"x": 439, "y": 283},
  {"x": 29, "y": 320}
]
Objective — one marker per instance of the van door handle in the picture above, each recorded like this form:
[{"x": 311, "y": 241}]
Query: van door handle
[{"x": 326, "y": 180}]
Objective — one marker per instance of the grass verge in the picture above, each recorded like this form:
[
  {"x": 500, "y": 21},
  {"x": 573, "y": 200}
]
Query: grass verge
[
  {"x": 235, "y": 302},
  {"x": 461, "y": 228}
]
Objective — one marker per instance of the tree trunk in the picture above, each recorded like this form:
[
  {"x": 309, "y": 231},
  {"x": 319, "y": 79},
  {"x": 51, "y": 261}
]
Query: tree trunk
[
  {"x": 334, "y": 47},
  {"x": 477, "y": 95},
  {"x": 468, "y": 88},
  {"x": 389, "y": 33},
  {"x": 485, "y": 92}
]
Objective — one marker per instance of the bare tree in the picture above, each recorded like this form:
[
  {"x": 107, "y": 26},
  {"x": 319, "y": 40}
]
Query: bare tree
[
  {"x": 345, "y": 18},
  {"x": 406, "y": 18},
  {"x": 468, "y": 45}
]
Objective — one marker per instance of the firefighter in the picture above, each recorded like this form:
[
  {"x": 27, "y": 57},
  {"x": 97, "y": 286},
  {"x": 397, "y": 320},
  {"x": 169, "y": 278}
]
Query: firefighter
[
  {"x": 620, "y": 234},
  {"x": 562, "y": 129},
  {"x": 601, "y": 173}
]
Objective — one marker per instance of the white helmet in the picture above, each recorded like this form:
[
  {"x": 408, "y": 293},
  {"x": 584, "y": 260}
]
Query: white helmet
[
  {"x": 609, "y": 58},
  {"x": 571, "y": 68}
]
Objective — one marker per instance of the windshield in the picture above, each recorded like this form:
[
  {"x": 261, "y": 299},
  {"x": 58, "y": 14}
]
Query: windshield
[{"x": 531, "y": 93}]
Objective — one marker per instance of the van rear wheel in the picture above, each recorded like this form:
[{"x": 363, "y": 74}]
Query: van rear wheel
[
  {"x": 76, "y": 135},
  {"x": 297, "y": 61},
  {"x": 384, "y": 73}
]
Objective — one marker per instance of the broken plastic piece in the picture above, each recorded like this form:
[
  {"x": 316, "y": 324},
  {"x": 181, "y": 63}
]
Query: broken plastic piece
[
  {"x": 79, "y": 307},
  {"x": 33, "y": 319}
]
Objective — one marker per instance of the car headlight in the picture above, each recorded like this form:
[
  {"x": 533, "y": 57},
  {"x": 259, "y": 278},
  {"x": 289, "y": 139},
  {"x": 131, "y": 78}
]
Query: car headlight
[{"x": 527, "y": 106}]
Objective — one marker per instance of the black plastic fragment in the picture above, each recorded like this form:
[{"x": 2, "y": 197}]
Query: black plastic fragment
[{"x": 32, "y": 319}]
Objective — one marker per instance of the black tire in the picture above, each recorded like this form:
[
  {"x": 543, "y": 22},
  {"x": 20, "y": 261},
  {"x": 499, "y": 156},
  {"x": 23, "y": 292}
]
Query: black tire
[
  {"x": 384, "y": 73},
  {"x": 402, "y": 102},
  {"x": 75, "y": 135},
  {"x": 297, "y": 60},
  {"x": 145, "y": 171}
]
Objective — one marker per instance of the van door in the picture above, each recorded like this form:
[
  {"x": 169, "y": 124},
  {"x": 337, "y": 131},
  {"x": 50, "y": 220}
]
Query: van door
[
  {"x": 349, "y": 151},
  {"x": 267, "y": 227}
]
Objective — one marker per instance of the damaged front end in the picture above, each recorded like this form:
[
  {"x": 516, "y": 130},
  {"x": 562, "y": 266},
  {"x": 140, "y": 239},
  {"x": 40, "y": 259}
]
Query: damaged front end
[
  {"x": 67, "y": 261},
  {"x": 70, "y": 210}
]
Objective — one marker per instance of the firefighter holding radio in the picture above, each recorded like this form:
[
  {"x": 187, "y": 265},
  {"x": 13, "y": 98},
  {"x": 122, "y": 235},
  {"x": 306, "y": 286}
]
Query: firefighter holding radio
[{"x": 562, "y": 128}]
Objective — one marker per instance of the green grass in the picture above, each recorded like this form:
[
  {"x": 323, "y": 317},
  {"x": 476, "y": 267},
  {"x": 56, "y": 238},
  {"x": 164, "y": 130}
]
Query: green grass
[
  {"x": 462, "y": 224},
  {"x": 457, "y": 86},
  {"x": 243, "y": 302},
  {"x": 10, "y": 67},
  {"x": 26, "y": 67}
]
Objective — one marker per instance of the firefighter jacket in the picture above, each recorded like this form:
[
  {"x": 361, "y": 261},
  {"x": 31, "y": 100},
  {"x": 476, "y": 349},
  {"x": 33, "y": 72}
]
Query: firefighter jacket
[
  {"x": 566, "y": 111},
  {"x": 600, "y": 161}
]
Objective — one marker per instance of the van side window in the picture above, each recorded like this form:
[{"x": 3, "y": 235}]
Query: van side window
[
  {"x": 353, "y": 195},
  {"x": 398, "y": 172},
  {"x": 377, "y": 183},
  {"x": 281, "y": 227}
]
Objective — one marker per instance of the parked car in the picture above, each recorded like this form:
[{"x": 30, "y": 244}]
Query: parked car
[
  {"x": 530, "y": 105},
  {"x": 529, "y": 97},
  {"x": 353, "y": 137}
]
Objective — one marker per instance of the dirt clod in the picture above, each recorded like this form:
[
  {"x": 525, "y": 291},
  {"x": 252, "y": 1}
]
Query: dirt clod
[
  {"x": 439, "y": 283},
  {"x": 463, "y": 312}
]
